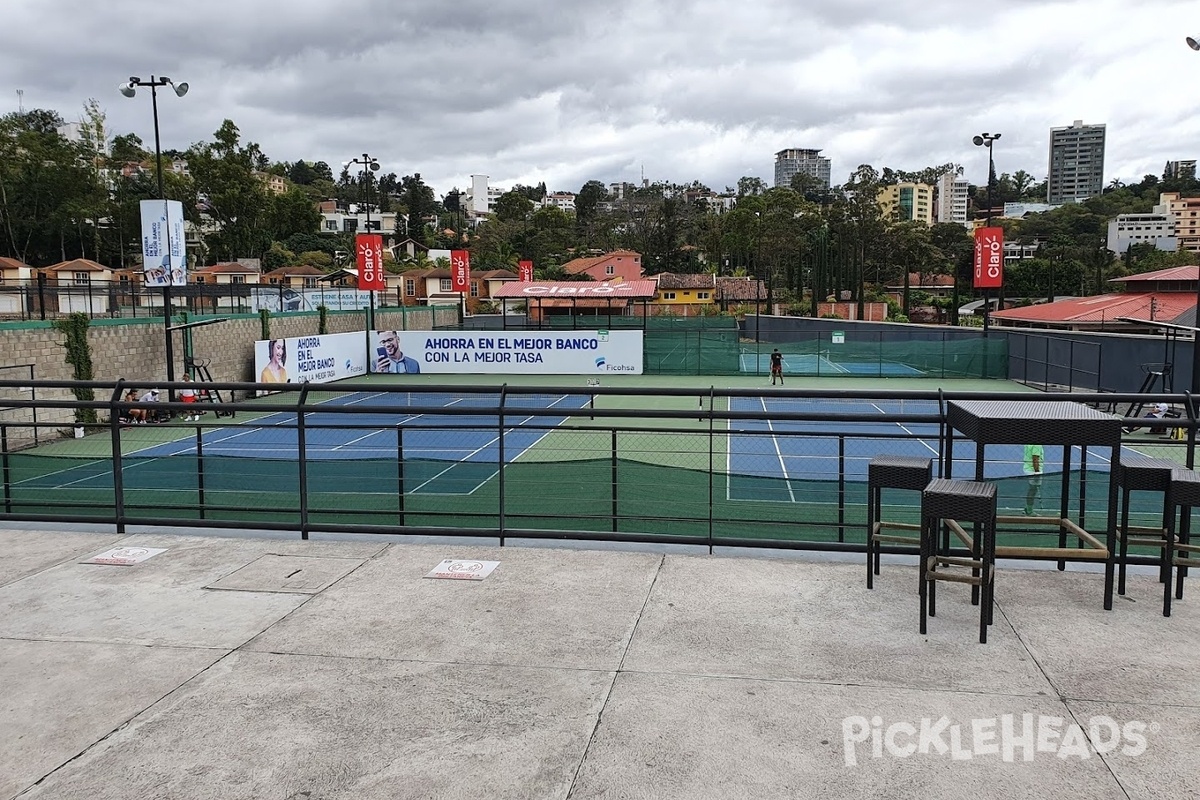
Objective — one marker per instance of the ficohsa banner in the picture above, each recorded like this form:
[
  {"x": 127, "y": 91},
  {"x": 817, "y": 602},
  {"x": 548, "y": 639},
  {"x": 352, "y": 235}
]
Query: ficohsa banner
[
  {"x": 309, "y": 359},
  {"x": 597, "y": 352}
]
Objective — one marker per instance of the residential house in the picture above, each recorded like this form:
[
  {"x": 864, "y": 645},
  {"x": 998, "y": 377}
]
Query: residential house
[
  {"x": 414, "y": 289},
  {"x": 491, "y": 280},
  {"x": 300, "y": 277},
  {"x": 226, "y": 285},
  {"x": 407, "y": 250},
  {"x": 15, "y": 277},
  {"x": 619, "y": 265},
  {"x": 686, "y": 295},
  {"x": 735, "y": 292},
  {"x": 78, "y": 285}
]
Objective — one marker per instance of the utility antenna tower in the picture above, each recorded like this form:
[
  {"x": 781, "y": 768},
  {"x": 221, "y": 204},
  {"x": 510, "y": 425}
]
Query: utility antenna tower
[{"x": 20, "y": 101}]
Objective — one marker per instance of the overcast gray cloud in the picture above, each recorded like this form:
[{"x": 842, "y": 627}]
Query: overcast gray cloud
[{"x": 545, "y": 90}]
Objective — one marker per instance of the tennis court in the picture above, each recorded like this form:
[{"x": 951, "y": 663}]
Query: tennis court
[
  {"x": 815, "y": 364},
  {"x": 739, "y": 462}
]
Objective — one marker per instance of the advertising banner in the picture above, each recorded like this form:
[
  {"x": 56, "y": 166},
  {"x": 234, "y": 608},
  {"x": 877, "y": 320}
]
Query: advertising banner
[
  {"x": 525, "y": 271},
  {"x": 989, "y": 258},
  {"x": 370, "y": 262},
  {"x": 460, "y": 270},
  {"x": 510, "y": 352},
  {"x": 164, "y": 259},
  {"x": 283, "y": 298},
  {"x": 309, "y": 359}
]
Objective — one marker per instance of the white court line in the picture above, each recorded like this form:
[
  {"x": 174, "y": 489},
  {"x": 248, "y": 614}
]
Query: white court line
[
  {"x": 910, "y": 432},
  {"x": 778, "y": 452}
]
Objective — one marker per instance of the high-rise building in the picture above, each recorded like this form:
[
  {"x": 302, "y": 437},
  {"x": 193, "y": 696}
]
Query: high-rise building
[
  {"x": 1076, "y": 163},
  {"x": 1180, "y": 169},
  {"x": 952, "y": 195},
  {"x": 907, "y": 201},
  {"x": 794, "y": 161}
]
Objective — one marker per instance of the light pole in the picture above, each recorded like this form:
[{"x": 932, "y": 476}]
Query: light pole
[
  {"x": 369, "y": 165},
  {"x": 1194, "y": 43},
  {"x": 129, "y": 89},
  {"x": 985, "y": 140}
]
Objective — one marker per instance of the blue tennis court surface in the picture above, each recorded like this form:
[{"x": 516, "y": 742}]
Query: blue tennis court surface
[
  {"x": 796, "y": 455},
  {"x": 464, "y": 440}
]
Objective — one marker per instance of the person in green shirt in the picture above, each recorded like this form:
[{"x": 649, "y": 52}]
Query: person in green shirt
[{"x": 1035, "y": 459}]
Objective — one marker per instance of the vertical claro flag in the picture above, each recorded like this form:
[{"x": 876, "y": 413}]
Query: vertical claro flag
[
  {"x": 370, "y": 261},
  {"x": 525, "y": 271},
  {"x": 989, "y": 258},
  {"x": 460, "y": 270}
]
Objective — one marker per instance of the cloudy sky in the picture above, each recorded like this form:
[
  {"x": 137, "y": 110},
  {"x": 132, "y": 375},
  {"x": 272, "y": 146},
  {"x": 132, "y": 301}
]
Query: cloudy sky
[{"x": 613, "y": 90}]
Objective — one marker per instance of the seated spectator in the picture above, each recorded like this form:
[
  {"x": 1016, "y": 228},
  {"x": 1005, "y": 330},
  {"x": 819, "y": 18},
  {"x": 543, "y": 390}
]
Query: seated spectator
[
  {"x": 133, "y": 414},
  {"x": 1157, "y": 411},
  {"x": 152, "y": 414},
  {"x": 188, "y": 395}
]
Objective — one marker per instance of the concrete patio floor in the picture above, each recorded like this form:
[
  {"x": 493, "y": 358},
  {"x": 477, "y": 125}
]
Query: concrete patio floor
[{"x": 262, "y": 667}]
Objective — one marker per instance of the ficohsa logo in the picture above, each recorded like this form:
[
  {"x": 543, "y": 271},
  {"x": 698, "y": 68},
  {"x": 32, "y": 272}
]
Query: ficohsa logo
[{"x": 600, "y": 362}]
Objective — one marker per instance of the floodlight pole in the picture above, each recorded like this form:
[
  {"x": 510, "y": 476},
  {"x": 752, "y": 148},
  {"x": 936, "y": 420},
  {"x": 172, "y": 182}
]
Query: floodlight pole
[
  {"x": 368, "y": 164},
  {"x": 985, "y": 140},
  {"x": 180, "y": 90},
  {"x": 1194, "y": 43}
]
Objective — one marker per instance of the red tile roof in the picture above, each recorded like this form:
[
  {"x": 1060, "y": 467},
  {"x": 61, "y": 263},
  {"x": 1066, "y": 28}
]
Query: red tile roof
[
  {"x": 672, "y": 280},
  {"x": 301, "y": 270},
  {"x": 1184, "y": 273},
  {"x": 77, "y": 265},
  {"x": 227, "y": 268},
  {"x": 1105, "y": 308},
  {"x": 566, "y": 290},
  {"x": 575, "y": 266}
]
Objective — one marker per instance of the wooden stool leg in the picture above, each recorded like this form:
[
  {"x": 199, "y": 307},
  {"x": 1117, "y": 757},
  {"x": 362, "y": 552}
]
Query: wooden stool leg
[
  {"x": 1185, "y": 535},
  {"x": 872, "y": 568},
  {"x": 1169, "y": 556},
  {"x": 923, "y": 589},
  {"x": 1123, "y": 532}
]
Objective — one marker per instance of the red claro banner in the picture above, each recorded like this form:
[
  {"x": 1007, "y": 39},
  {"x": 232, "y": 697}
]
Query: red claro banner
[
  {"x": 525, "y": 271},
  {"x": 460, "y": 270},
  {"x": 369, "y": 247},
  {"x": 989, "y": 258}
]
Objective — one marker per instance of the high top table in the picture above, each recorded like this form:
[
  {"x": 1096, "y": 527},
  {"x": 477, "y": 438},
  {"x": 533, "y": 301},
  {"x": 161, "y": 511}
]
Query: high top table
[{"x": 1048, "y": 423}]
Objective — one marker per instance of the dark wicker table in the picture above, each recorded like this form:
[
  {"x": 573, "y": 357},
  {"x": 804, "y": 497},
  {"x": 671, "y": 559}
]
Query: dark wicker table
[{"x": 1053, "y": 423}]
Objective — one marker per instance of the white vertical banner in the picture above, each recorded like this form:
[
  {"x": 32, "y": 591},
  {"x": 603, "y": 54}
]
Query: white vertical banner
[{"x": 164, "y": 259}]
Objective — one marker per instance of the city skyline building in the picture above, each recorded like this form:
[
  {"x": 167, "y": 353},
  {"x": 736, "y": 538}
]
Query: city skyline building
[
  {"x": 1076, "y": 163},
  {"x": 795, "y": 161}
]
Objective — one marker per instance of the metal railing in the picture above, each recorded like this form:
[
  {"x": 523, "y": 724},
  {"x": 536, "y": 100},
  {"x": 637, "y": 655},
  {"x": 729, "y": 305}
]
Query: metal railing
[{"x": 704, "y": 467}]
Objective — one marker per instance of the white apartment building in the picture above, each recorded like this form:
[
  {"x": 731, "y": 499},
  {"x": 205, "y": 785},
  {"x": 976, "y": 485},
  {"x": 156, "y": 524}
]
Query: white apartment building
[
  {"x": 952, "y": 195},
  {"x": 563, "y": 200},
  {"x": 795, "y": 160},
  {"x": 1076, "y": 163},
  {"x": 1157, "y": 228}
]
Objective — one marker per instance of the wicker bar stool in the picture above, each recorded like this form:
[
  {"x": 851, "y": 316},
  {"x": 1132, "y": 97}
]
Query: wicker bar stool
[
  {"x": 1184, "y": 494},
  {"x": 891, "y": 472},
  {"x": 1146, "y": 474},
  {"x": 946, "y": 499}
]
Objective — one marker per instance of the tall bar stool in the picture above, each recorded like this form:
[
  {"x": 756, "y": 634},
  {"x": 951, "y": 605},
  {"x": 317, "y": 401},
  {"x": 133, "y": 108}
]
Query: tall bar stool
[
  {"x": 1142, "y": 473},
  {"x": 961, "y": 501},
  {"x": 891, "y": 472},
  {"x": 1183, "y": 495}
]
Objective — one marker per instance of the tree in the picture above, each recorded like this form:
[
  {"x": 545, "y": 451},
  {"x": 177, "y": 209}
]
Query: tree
[
  {"x": 416, "y": 201},
  {"x": 223, "y": 171},
  {"x": 513, "y": 206},
  {"x": 748, "y": 186},
  {"x": 301, "y": 173}
]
